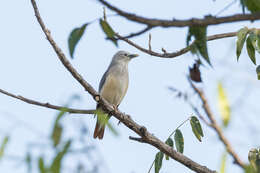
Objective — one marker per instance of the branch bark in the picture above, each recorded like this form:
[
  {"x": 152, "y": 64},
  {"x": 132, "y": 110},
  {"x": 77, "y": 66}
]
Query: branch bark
[
  {"x": 47, "y": 105},
  {"x": 208, "y": 20},
  {"x": 131, "y": 35},
  {"x": 125, "y": 119},
  {"x": 177, "y": 53},
  {"x": 216, "y": 127}
]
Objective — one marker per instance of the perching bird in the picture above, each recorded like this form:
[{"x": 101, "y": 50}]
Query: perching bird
[{"x": 113, "y": 85}]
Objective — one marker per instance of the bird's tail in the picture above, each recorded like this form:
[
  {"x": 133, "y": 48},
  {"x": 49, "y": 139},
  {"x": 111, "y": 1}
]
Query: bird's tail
[{"x": 99, "y": 130}]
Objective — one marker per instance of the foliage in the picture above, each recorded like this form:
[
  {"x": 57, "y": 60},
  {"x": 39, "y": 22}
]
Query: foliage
[
  {"x": 179, "y": 141},
  {"x": 254, "y": 159},
  {"x": 169, "y": 142},
  {"x": 200, "y": 35},
  {"x": 61, "y": 146},
  {"x": 110, "y": 33},
  {"x": 252, "y": 5},
  {"x": 223, "y": 163},
  {"x": 158, "y": 162},
  {"x": 223, "y": 105},
  {"x": 252, "y": 38},
  {"x": 3, "y": 146},
  {"x": 74, "y": 38},
  {"x": 196, "y": 127}
]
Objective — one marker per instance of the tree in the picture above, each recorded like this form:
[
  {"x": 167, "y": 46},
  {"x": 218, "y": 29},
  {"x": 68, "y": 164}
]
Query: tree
[{"x": 198, "y": 32}]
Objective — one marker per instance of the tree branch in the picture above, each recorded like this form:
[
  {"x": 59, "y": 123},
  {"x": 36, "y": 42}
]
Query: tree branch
[
  {"x": 131, "y": 35},
  {"x": 47, "y": 105},
  {"x": 208, "y": 20},
  {"x": 177, "y": 53},
  {"x": 137, "y": 139},
  {"x": 215, "y": 126},
  {"x": 125, "y": 119}
]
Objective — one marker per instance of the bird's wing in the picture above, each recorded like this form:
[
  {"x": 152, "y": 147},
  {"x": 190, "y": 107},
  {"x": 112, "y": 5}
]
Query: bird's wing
[{"x": 103, "y": 80}]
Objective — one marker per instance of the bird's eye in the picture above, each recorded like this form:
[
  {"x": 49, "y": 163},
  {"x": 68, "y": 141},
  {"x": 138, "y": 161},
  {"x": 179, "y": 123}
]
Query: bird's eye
[{"x": 125, "y": 54}]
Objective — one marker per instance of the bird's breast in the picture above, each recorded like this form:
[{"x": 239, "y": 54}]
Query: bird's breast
[{"x": 115, "y": 87}]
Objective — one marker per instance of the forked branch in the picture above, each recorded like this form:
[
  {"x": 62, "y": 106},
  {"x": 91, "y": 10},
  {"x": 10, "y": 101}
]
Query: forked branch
[
  {"x": 125, "y": 119},
  {"x": 208, "y": 20},
  {"x": 215, "y": 125}
]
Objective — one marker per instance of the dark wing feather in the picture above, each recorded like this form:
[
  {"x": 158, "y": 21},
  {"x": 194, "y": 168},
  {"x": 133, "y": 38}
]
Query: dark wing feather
[
  {"x": 101, "y": 84},
  {"x": 103, "y": 80}
]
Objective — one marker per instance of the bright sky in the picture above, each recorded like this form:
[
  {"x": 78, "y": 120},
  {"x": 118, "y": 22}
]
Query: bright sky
[{"x": 29, "y": 67}]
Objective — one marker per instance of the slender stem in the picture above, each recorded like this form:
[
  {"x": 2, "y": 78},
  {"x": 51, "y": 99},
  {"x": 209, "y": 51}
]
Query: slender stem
[
  {"x": 207, "y": 20},
  {"x": 215, "y": 125},
  {"x": 151, "y": 166},
  {"x": 169, "y": 137},
  {"x": 148, "y": 137},
  {"x": 179, "y": 126},
  {"x": 48, "y": 105}
]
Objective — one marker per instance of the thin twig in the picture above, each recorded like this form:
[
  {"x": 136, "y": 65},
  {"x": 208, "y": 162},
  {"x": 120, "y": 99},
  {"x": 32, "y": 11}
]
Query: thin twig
[
  {"x": 131, "y": 35},
  {"x": 177, "y": 53},
  {"x": 226, "y": 7},
  {"x": 208, "y": 20},
  {"x": 151, "y": 166},
  {"x": 149, "y": 42},
  {"x": 48, "y": 105},
  {"x": 169, "y": 137},
  {"x": 179, "y": 127},
  {"x": 137, "y": 139},
  {"x": 181, "y": 51},
  {"x": 108, "y": 108},
  {"x": 215, "y": 126}
]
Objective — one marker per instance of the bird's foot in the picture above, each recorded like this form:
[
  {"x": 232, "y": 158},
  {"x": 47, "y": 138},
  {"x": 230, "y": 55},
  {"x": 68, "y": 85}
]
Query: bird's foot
[{"x": 115, "y": 108}]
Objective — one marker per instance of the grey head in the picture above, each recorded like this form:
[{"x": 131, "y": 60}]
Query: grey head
[{"x": 123, "y": 57}]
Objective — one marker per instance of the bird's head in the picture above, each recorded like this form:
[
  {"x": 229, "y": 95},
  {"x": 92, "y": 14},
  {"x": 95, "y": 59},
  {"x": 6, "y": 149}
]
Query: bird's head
[{"x": 123, "y": 57}]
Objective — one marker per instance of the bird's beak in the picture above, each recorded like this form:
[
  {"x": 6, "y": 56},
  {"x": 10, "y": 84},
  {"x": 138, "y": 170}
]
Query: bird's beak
[{"x": 133, "y": 55}]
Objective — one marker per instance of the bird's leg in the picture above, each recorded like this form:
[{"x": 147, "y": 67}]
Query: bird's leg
[{"x": 116, "y": 109}]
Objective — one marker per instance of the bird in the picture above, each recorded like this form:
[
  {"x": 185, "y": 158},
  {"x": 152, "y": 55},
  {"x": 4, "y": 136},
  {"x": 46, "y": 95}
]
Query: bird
[{"x": 113, "y": 86}]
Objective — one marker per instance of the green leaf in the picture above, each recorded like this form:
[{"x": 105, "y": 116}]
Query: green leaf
[
  {"x": 258, "y": 72},
  {"x": 252, "y": 5},
  {"x": 223, "y": 105},
  {"x": 258, "y": 164},
  {"x": 158, "y": 162},
  {"x": 258, "y": 41},
  {"x": 56, "y": 164},
  {"x": 108, "y": 31},
  {"x": 254, "y": 159},
  {"x": 242, "y": 2},
  {"x": 74, "y": 38},
  {"x": 57, "y": 129},
  {"x": 200, "y": 35},
  {"x": 3, "y": 146},
  {"x": 254, "y": 38},
  {"x": 60, "y": 115},
  {"x": 250, "y": 49},
  {"x": 249, "y": 169},
  {"x": 196, "y": 127},
  {"x": 241, "y": 38},
  {"x": 28, "y": 161},
  {"x": 169, "y": 142},
  {"x": 179, "y": 141},
  {"x": 56, "y": 134},
  {"x": 41, "y": 165},
  {"x": 223, "y": 163}
]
